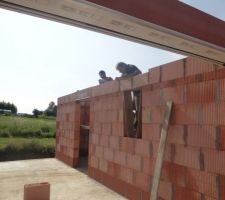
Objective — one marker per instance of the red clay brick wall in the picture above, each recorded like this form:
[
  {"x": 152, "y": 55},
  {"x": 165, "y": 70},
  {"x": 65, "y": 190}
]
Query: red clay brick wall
[
  {"x": 67, "y": 134},
  {"x": 194, "y": 161}
]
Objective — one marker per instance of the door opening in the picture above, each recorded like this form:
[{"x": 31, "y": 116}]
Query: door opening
[{"x": 84, "y": 133}]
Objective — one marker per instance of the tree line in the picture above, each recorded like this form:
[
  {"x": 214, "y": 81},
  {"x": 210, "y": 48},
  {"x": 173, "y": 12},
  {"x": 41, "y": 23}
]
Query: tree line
[
  {"x": 8, "y": 106},
  {"x": 50, "y": 111}
]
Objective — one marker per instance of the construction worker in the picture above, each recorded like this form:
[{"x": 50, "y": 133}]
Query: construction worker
[
  {"x": 127, "y": 70},
  {"x": 104, "y": 78}
]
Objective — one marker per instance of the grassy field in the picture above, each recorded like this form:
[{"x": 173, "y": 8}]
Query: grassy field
[
  {"x": 13, "y": 126},
  {"x": 26, "y": 138}
]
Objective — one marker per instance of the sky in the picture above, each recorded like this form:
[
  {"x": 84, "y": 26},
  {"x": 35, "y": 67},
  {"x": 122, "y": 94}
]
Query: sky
[{"x": 42, "y": 60}]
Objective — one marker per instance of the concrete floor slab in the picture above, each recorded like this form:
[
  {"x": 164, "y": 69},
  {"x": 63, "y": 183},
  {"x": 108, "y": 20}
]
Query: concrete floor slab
[{"x": 66, "y": 183}]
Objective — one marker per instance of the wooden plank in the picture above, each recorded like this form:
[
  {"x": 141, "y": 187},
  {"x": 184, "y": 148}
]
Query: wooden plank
[{"x": 161, "y": 151}]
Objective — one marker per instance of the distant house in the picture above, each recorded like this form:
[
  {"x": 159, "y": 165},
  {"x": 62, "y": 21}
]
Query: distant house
[{"x": 3, "y": 111}]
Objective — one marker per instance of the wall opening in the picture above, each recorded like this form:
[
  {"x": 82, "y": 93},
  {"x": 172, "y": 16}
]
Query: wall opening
[
  {"x": 84, "y": 133},
  {"x": 133, "y": 113}
]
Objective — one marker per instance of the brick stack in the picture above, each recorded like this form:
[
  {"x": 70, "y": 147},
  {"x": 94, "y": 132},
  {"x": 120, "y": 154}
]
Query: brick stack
[{"x": 194, "y": 159}]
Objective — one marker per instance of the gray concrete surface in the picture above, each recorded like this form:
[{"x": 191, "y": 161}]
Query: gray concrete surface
[{"x": 66, "y": 183}]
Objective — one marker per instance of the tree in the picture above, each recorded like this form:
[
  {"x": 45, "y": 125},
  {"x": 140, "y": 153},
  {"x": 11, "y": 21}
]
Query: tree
[
  {"x": 37, "y": 112},
  {"x": 8, "y": 106},
  {"x": 51, "y": 110}
]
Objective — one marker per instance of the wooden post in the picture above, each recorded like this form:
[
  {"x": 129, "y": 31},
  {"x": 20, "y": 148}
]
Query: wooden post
[{"x": 161, "y": 151}]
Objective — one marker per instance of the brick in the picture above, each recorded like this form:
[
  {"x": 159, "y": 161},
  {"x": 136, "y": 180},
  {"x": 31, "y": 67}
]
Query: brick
[
  {"x": 201, "y": 136},
  {"x": 118, "y": 129},
  {"x": 120, "y": 158},
  {"x": 37, "y": 191},
  {"x": 221, "y": 138},
  {"x": 148, "y": 166},
  {"x": 201, "y": 92},
  {"x": 99, "y": 151},
  {"x": 126, "y": 84},
  {"x": 104, "y": 140},
  {"x": 210, "y": 113},
  {"x": 106, "y": 88},
  {"x": 120, "y": 186},
  {"x": 176, "y": 134},
  {"x": 134, "y": 162},
  {"x": 187, "y": 156},
  {"x": 108, "y": 154},
  {"x": 114, "y": 142},
  {"x": 178, "y": 115},
  {"x": 157, "y": 114},
  {"x": 221, "y": 113},
  {"x": 95, "y": 139},
  {"x": 127, "y": 144},
  {"x": 221, "y": 187},
  {"x": 120, "y": 115},
  {"x": 154, "y": 75},
  {"x": 186, "y": 114},
  {"x": 165, "y": 190},
  {"x": 173, "y": 173},
  {"x": 97, "y": 129},
  {"x": 193, "y": 114},
  {"x": 173, "y": 70},
  {"x": 214, "y": 161},
  {"x": 113, "y": 169},
  {"x": 142, "y": 180},
  {"x": 151, "y": 132},
  {"x": 93, "y": 162},
  {"x": 112, "y": 116},
  {"x": 221, "y": 89},
  {"x": 197, "y": 66},
  {"x": 146, "y": 116},
  {"x": 133, "y": 193},
  {"x": 203, "y": 182},
  {"x": 168, "y": 151},
  {"x": 143, "y": 148},
  {"x": 103, "y": 165},
  {"x": 106, "y": 128},
  {"x": 185, "y": 194},
  {"x": 140, "y": 80},
  {"x": 126, "y": 174},
  {"x": 91, "y": 149},
  {"x": 175, "y": 94},
  {"x": 151, "y": 97}
]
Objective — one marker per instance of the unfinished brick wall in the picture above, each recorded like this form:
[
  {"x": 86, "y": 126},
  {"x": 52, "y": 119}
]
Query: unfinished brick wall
[
  {"x": 194, "y": 159},
  {"x": 67, "y": 137}
]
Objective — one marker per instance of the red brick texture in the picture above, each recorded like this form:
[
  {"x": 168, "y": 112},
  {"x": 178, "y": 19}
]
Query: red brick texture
[
  {"x": 194, "y": 160},
  {"x": 37, "y": 191},
  {"x": 67, "y": 134}
]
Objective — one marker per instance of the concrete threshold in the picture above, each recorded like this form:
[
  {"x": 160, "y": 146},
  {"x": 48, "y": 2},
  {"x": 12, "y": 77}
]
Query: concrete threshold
[{"x": 66, "y": 183}]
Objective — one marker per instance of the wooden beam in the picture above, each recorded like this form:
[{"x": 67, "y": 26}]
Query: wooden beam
[
  {"x": 187, "y": 31},
  {"x": 161, "y": 152}
]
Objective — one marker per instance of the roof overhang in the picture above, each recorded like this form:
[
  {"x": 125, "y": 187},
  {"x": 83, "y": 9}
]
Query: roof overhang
[{"x": 169, "y": 25}]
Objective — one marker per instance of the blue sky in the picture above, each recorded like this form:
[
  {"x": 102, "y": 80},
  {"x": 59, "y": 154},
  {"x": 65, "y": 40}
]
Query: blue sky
[{"x": 42, "y": 60}]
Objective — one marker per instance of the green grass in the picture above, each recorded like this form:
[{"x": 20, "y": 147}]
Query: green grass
[
  {"x": 26, "y": 148},
  {"x": 13, "y": 126},
  {"x": 20, "y": 141},
  {"x": 26, "y": 138}
]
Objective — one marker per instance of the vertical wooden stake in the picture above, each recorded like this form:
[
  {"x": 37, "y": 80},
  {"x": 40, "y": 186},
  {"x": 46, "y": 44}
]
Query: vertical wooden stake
[{"x": 161, "y": 151}]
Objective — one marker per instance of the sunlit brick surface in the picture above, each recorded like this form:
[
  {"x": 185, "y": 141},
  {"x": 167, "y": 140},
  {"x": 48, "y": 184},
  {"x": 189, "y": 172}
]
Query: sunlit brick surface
[{"x": 194, "y": 159}]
